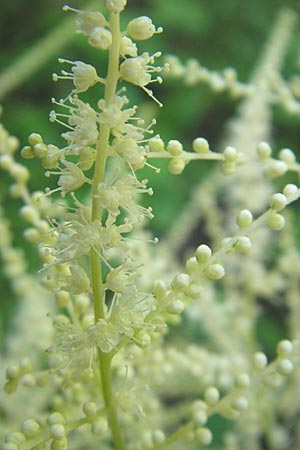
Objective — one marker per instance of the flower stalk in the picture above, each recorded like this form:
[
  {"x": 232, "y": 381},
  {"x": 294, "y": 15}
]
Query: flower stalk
[{"x": 96, "y": 272}]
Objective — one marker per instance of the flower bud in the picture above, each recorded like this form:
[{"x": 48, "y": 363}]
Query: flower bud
[
  {"x": 278, "y": 202},
  {"x": 89, "y": 409},
  {"x": 175, "y": 307},
  {"x": 264, "y": 151},
  {"x": 30, "y": 428},
  {"x": 287, "y": 156},
  {"x": 159, "y": 289},
  {"x": 211, "y": 395},
  {"x": 203, "y": 254},
  {"x": 57, "y": 431},
  {"x": 156, "y": 144},
  {"x": 99, "y": 427},
  {"x": 276, "y": 221},
  {"x": 284, "y": 347},
  {"x": 176, "y": 166},
  {"x": 200, "y": 145},
  {"x": 259, "y": 361},
  {"x": 115, "y": 6},
  {"x": 100, "y": 38},
  {"x": 215, "y": 272},
  {"x": 285, "y": 367},
  {"x": 203, "y": 435},
  {"x": 141, "y": 28},
  {"x": 244, "y": 218},
  {"x": 180, "y": 282},
  {"x": 174, "y": 147}
]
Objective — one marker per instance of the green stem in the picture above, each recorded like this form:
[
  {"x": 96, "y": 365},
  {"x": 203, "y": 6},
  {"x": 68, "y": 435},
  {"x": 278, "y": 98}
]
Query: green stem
[{"x": 96, "y": 272}]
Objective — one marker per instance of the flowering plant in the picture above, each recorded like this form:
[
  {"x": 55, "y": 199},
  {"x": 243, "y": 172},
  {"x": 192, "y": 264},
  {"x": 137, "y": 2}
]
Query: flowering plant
[{"x": 115, "y": 370}]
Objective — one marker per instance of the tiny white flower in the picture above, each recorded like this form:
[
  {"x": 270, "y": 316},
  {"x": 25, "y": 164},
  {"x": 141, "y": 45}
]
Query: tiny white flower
[
  {"x": 142, "y": 28},
  {"x": 100, "y": 38},
  {"x": 138, "y": 71}
]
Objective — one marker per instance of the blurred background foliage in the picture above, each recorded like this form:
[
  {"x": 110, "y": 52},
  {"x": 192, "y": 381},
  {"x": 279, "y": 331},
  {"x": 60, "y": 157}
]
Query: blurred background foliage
[{"x": 218, "y": 33}]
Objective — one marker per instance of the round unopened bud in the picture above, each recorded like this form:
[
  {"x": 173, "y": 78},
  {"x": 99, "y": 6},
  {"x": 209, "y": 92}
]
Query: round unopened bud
[
  {"x": 115, "y": 6},
  {"x": 89, "y": 409},
  {"x": 204, "y": 436},
  {"x": 230, "y": 154},
  {"x": 203, "y": 254},
  {"x": 29, "y": 213},
  {"x": 264, "y": 151},
  {"x": 176, "y": 166},
  {"x": 244, "y": 218},
  {"x": 59, "y": 444},
  {"x": 11, "y": 387},
  {"x": 159, "y": 289},
  {"x": 242, "y": 382},
  {"x": 40, "y": 150},
  {"x": 82, "y": 304},
  {"x": 278, "y": 202},
  {"x": 228, "y": 167},
  {"x": 194, "y": 291},
  {"x": 243, "y": 244},
  {"x": 215, "y": 272},
  {"x": 260, "y": 361},
  {"x": 200, "y": 145},
  {"x": 56, "y": 418},
  {"x": 30, "y": 428},
  {"x": 199, "y": 405},
  {"x": 9, "y": 446},
  {"x": 35, "y": 138},
  {"x": 143, "y": 339},
  {"x": 290, "y": 189},
  {"x": 191, "y": 265},
  {"x": 62, "y": 298},
  {"x": 60, "y": 320},
  {"x": 284, "y": 347},
  {"x": 100, "y": 38},
  {"x": 175, "y": 148},
  {"x": 180, "y": 282},
  {"x": 276, "y": 221},
  {"x": 211, "y": 395},
  {"x": 275, "y": 169},
  {"x": 12, "y": 372},
  {"x": 16, "y": 437},
  {"x": 99, "y": 427},
  {"x": 28, "y": 380},
  {"x": 284, "y": 367},
  {"x": 6, "y": 162},
  {"x": 26, "y": 365},
  {"x": 20, "y": 173},
  {"x": 200, "y": 417},
  {"x": 57, "y": 431},
  {"x": 156, "y": 144},
  {"x": 158, "y": 437},
  {"x": 11, "y": 144},
  {"x": 287, "y": 156},
  {"x": 31, "y": 235},
  {"x": 141, "y": 28},
  {"x": 87, "y": 320},
  {"x": 27, "y": 152},
  {"x": 175, "y": 307},
  {"x": 240, "y": 403},
  {"x": 16, "y": 190}
]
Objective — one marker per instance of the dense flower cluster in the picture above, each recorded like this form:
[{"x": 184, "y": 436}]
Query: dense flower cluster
[{"x": 109, "y": 367}]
